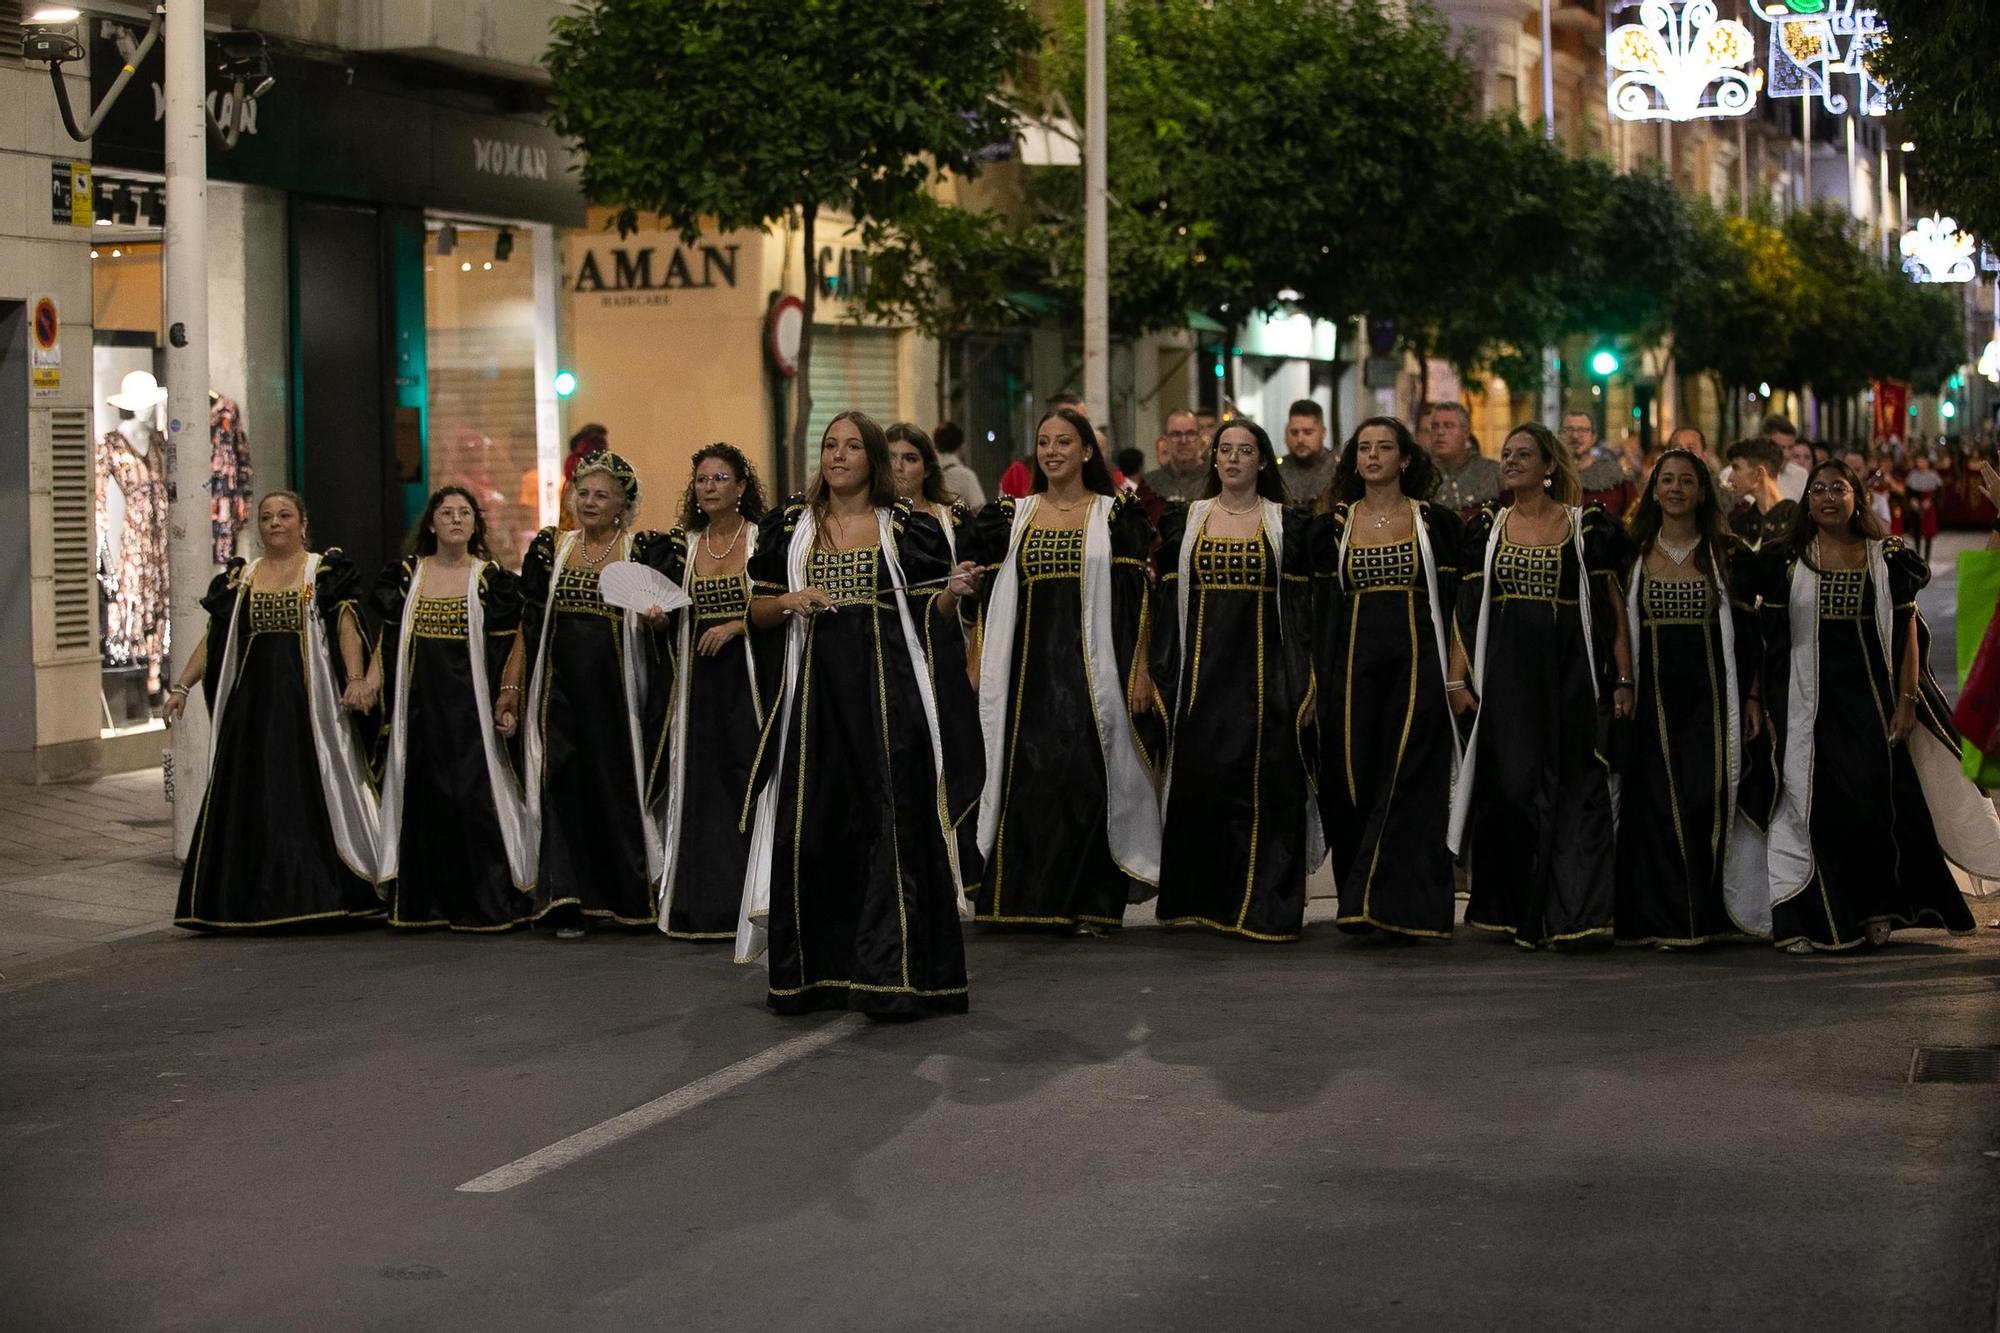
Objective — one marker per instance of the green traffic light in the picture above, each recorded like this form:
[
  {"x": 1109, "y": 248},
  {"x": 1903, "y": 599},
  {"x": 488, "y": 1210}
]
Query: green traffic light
[
  {"x": 565, "y": 384},
  {"x": 1604, "y": 362}
]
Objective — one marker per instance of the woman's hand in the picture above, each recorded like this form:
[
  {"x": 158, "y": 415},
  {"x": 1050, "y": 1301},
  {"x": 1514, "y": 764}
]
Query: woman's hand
[
  {"x": 176, "y": 704},
  {"x": 1141, "y": 701},
  {"x": 805, "y": 602},
  {"x": 654, "y": 617},
  {"x": 964, "y": 580},
  {"x": 1905, "y": 719},
  {"x": 359, "y": 696},
  {"x": 506, "y": 715},
  {"x": 717, "y": 638},
  {"x": 1461, "y": 700},
  {"x": 1753, "y": 719},
  {"x": 1623, "y": 701}
]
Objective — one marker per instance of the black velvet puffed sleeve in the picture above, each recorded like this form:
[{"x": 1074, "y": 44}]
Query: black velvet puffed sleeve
[
  {"x": 220, "y": 599},
  {"x": 1447, "y": 534},
  {"x": 500, "y": 603},
  {"x": 1909, "y": 572},
  {"x": 1132, "y": 618},
  {"x": 387, "y": 598},
  {"x": 538, "y": 567},
  {"x": 336, "y": 585},
  {"x": 668, "y": 553},
  {"x": 767, "y": 566},
  {"x": 1164, "y": 648},
  {"x": 1472, "y": 574},
  {"x": 1607, "y": 544},
  {"x": 220, "y": 603},
  {"x": 922, "y": 551}
]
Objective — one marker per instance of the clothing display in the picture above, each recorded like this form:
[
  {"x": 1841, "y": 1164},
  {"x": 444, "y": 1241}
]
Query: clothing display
[
  {"x": 231, "y": 487},
  {"x": 132, "y": 548}
]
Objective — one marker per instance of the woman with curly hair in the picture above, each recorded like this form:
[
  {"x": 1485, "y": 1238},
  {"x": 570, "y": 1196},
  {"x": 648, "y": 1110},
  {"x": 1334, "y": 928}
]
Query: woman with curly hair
[
  {"x": 1540, "y": 642},
  {"x": 1069, "y": 823},
  {"x": 1690, "y": 863},
  {"x": 1873, "y": 808},
  {"x": 851, "y": 882},
  {"x": 1240, "y": 829},
  {"x": 716, "y": 711},
  {"x": 595, "y": 735},
  {"x": 286, "y": 837},
  {"x": 920, "y": 480},
  {"x": 1385, "y": 561}
]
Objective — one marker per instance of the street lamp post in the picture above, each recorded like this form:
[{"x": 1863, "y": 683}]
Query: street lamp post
[
  {"x": 1551, "y": 366},
  {"x": 1096, "y": 247},
  {"x": 184, "y": 254}
]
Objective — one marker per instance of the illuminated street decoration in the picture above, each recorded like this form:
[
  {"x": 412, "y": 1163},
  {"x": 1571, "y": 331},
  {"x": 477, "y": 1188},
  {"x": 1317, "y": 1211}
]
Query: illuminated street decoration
[
  {"x": 1816, "y": 43},
  {"x": 1935, "y": 250},
  {"x": 1989, "y": 361},
  {"x": 1677, "y": 62}
]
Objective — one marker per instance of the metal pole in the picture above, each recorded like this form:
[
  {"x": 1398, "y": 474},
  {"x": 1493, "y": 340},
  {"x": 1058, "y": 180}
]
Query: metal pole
[
  {"x": 184, "y": 254},
  {"x": 1807, "y": 104},
  {"x": 1551, "y": 364},
  {"x": 1096, "y": 247}
]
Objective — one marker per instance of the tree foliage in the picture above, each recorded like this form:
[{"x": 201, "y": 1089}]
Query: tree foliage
[
  {"x": 746, "y": 113},
  {"x": 1938, "y": 67}
]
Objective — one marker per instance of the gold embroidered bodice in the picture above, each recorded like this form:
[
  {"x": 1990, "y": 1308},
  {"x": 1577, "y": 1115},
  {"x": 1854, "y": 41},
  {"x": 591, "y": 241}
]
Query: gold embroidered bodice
[
  {"x": 1532, "y": 572},
  {"x": 576, "y": 592},
  {"x": 439, "y": 618},
  {"x": 1842, "y": 594},
  {"x": 848, "y": 577},
  {"x": 1229, "y": 564},
  {"x": 1051, "y": 553},
  {"x": 282, "y": 611},
  {"x": 1676, "y": 601},
  {"x": 1391, "y": 566},
  {"x": 718, "y": 598}
]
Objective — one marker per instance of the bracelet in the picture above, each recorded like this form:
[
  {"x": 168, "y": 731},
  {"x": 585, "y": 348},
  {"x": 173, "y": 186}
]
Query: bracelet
[
  {"x": 1626, "y": 683},
  {"x": 180, "y": 691},
  {"x": 508, "y": 689},
  {"x": 1451, "y": 685}
]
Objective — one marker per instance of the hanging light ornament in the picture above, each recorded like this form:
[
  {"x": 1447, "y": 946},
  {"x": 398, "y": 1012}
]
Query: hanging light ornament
[
  {"x": 1935, "y": 250},
  {"x": 1815, "y": 42},
  {"x": 1677, "y": 62}
]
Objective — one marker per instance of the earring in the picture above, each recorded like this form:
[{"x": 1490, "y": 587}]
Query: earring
[{"x": 1548, "y": 481}]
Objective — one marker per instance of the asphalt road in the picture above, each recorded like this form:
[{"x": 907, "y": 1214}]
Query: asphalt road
[{"x": 1143, "y": 1132}]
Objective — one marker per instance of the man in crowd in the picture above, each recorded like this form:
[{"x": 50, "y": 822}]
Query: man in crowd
[
  {"x": 1798, "y": 455},
  {"x": 1691, "y": 439},
  {"x": 1185, "y": 473},
  {"x": 959, "y": 479},
  {"x": 1599, "y": 470},
  {"x": 1307, "y": 466},
  {"x": 1466, "y": 478},
  {"x": 1763, "y": 513}
]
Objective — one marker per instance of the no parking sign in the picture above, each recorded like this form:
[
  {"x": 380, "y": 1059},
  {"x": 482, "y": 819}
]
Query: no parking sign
[{"x": 45, "y": 352}]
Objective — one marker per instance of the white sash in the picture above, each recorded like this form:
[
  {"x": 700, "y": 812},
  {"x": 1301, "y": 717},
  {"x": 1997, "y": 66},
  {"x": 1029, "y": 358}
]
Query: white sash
[
  {"x": 1132, "y": 802},
  {"x": 507, "y": 805},
  {"x": 1967, "y": 829},
  {"x": 670, "y": 842},
  {"x": 1271, "y": 519},
  {"x": 1746, "y": 893},
  {"x": 1461, "y": 795},
  {"x": 535, "y": 747},
  {"x": 351, "y": 807},
  {"x": 751, "y": 935}
]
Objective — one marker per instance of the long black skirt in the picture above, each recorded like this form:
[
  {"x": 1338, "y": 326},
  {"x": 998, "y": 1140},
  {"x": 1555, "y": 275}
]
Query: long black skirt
[
  {"x": 720, "y": 742},
  {"x": 451, "y": 864},
  {"x": 263, "y": 854},
  {"x": 863, "y": 912}
]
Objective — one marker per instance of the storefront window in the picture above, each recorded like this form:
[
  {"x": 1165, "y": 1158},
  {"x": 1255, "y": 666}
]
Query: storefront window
[{"x": 489, "y": 411}]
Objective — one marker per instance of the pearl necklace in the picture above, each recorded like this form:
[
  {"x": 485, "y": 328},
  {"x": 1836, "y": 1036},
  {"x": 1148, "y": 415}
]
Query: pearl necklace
[
  {"x": 708, "y": 543},
  {"x": 591, "y": 562},
  {"x": 1238, "y": 512}
]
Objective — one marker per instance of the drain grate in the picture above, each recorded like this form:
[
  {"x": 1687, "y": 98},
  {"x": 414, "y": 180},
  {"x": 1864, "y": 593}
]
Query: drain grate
[{"x": 1955, "y": 1064}]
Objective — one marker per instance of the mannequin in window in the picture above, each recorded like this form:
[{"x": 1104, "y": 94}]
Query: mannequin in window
[{"x": 132, "y": 530}]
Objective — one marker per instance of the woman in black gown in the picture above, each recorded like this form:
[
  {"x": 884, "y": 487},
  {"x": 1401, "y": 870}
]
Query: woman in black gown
[
  {"x": 851, "y": 883},
  {"x": 1385, "y": 562},
  {"x": 1541, "y": 642},
  {"x": 594, "y": 734},
  {"x": 1069, "y": 821},
  {"x": 716, "y": 713},
  {"x": 455, "y": 849},
  {"x": 920, "y": 480},
  {"x": 1873, "y": 807},
  {"x": 1232, "y": 651},
  {"x": 282, "y": 666},
  {"x": 1690, "y": 865}
]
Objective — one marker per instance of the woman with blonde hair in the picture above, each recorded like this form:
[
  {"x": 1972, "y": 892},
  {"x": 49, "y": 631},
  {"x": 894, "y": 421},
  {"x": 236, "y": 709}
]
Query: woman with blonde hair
[{"x": 1540, "y": 648}]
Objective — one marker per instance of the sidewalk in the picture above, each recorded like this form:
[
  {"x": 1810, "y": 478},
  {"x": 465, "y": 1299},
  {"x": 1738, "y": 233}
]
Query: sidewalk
[{"x": 83, "y": 864}]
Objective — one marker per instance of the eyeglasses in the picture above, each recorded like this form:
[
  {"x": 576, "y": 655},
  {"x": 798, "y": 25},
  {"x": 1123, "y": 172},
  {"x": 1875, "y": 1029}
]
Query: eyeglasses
[
  {"x": 1183, "y": 434},
  {"x": 1243, "y": 449},
  {"x": 1829, "y": 488},
  {"x": 713, "y": 479}
]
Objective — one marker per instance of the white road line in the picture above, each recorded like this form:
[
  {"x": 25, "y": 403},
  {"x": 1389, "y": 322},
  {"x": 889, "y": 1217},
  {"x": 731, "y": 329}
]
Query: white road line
[{"x": 581, "y": 1144}]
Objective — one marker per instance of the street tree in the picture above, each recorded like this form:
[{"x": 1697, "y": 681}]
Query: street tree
[
  {"x": 754, "y": 112},
  {"x": 1737, "y": 309},
  {"x": 1938, "y": 67}
]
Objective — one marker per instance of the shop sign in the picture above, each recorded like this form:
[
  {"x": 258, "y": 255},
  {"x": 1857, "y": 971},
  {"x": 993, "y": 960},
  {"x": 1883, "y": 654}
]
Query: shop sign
[
  {"x": 637, "y": 274},
  {"x": 45, "y": 351},
  {"x": 843, "y": 273},
  {"x": 70, "y": 194}
]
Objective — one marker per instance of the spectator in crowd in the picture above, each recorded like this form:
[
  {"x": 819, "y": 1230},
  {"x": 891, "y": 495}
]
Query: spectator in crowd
[
  {"x": 1762, "y": 513},
  {"x": 1308, "y": 465},
  {"x": 1691, "y": 439},
  {"x": 1019, "y": 477},
  {"x": 1466, "y": 478},
  {"x": 959, "y": 480},
  {"x": 1185, "y": 473},
  {"x": 1600, "y": 470},
  {"x": 1920, "y": 488},
  {"x": 1132, "y": 468},
  {"x": 1798, "y": 454}
]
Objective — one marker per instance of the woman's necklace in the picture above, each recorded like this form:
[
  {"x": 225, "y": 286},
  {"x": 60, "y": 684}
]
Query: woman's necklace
[
  {"x": 1381, "y": 520},
  {"x": 591, "y": 562},
  {"x": 708, "y": 543},
  {"x": 1238, "y": 512},
  {"x": 1069, "y": 508},
  {"x": 1677, "y": 553}
]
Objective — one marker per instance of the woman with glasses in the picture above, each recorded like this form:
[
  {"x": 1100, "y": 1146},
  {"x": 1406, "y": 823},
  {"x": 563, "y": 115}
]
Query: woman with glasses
[
  {"x": 1233, "y": 654},
  {"x": 851, "y": 881},
  {"x": 456, "y": 850},
  {"x": 1690, "y": 865},
  {"x": 1069, "y": 821},
  {"x": 1540, "y": 651},
  {"x": 1386, "y": 567},
  {"x": 1873, "y": 810},
  {"x": 715, "y": 713},
  {"x": 920, "y": 480}
]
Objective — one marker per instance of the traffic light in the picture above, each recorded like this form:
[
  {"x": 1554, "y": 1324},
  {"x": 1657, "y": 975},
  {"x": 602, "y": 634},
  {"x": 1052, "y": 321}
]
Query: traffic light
[
  {"x": 565, "y": 384},
  {"x": 1604, "y": 363},
  {"x": 1947, "y": 409}
]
